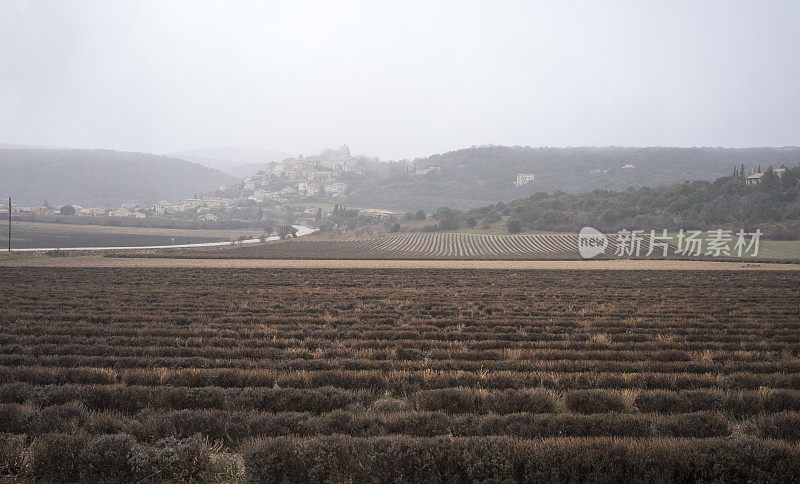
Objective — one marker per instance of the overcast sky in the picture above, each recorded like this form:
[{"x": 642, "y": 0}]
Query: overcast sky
[{"x": 401, "y": 78}]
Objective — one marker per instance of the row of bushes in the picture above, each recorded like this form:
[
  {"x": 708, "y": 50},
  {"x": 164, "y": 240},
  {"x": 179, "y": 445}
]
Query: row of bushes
[
  {"x": 460, "y": 350},
  {"x": 387, "y": 416},
  {"x": 408, "y": 459},
  {"x": 120, "y": 458},
  {"x": 452, "y": 400},
  {"x": 401, "y": 380},
  {"x": 484, "y": 342},
  {"x": 431, "y": 342},
  {"x": 135, "y": 398},
  {"x": 110, "y": 458},
  {"x": 736, "y": 403},
  {"x": 62, "y": 370}
]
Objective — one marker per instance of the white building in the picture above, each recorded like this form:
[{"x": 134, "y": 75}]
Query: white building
[
  {"x": 124, "y": 212},
  {"x": 376, "y": 212},
  {"x": 91, "y": 212},
  {"x": 335, "y": 187},
  {"x": 425, "y": 171},
  {"x": 307, "y": 189},
  {"x": 524, "y": 179}
]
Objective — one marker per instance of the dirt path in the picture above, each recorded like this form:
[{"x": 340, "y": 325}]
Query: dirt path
[{"x": 112, "y": 262}]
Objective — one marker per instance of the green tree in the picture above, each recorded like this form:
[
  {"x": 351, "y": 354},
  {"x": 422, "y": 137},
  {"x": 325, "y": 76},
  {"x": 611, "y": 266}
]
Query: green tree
[
  {"x": 789, "y": 180},
  {"x": 448, "y": 218},
  {"x": 770, "y": 181},
  {"x": 67, "y": 210}
]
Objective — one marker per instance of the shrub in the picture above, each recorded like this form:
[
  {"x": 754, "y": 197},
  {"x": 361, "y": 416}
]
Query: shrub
[
  {"x": 16, "y": 419},
  {"x": 451, "y": 400},
  {"x": 17, "y": 392},
  {"x": 66, "y": 418},
  {"x": 107, "y": 458},
  {"x": 409, "y": 354},
  {"x": 700, "y": 424},
  {"x": 172, "y": 459},
  {"x": 661, "y": 401},
  {"x": 468, "y": 400},
  {"x": 183, "y": 459},
  {"x": 55, "y": 457},
  {"x": 513, "y": 401},
  {"x": 497, "y": 459},
  {"x": 784, "y": 425},
  {"x": 113, "y": 422},
  {"x": 595, "y": 401},
  {"x": 781, "y": 400},
  {"x": 12, "y": 452}
]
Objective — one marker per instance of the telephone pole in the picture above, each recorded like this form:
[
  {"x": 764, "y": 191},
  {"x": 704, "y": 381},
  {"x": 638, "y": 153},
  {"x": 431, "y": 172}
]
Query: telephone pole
[{"x": 9, "y": 224}]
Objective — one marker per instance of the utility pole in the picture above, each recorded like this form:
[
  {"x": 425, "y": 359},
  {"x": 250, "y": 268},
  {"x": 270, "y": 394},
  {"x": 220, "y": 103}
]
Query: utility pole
[{"x": 9, "y": 224}]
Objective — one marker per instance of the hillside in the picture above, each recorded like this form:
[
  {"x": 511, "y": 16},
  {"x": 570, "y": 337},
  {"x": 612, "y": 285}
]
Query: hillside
[
  {"x": 481, "y": 175},
  {"x": 772, "y": 205},
  {"x": 100, "y": 177}
]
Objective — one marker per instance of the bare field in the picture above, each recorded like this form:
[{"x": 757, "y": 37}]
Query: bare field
[
  {"x": 335, "y": 375},
  {"x": 40, "y": 234},
  {"x": 604, "y": 265},
  {"x": 100, "y": 229}
]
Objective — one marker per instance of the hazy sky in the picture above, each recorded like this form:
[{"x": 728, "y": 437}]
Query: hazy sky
[{"x": 401, "y": 78}]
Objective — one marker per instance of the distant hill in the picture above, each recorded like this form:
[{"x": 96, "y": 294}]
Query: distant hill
[
  {"x": 100, "y": 178},
  {"x": 481, "y": 175},
  {"x": 237, "y": 161},
  {"x": 772, "y": 205}
]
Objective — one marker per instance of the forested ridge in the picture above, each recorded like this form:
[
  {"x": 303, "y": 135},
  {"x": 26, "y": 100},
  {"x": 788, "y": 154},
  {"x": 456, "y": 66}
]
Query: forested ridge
[{"x": 729, "y": 201}]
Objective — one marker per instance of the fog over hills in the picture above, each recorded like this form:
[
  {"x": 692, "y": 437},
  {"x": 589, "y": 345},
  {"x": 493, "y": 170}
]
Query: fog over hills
[
  {"x": 462, "y": 179},
  {"x": 469, "y": 177},
  {"x": 101, "y": 178},
  {"x": 234, "y": 160}
]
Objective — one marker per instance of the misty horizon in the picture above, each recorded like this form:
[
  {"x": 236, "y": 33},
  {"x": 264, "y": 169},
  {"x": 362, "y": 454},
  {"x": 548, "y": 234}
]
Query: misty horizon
[{"x": 398, "y": 81}]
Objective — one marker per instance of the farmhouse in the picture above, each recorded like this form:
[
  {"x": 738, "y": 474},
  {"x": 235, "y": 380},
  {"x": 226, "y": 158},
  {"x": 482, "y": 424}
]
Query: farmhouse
[{"x": 755, "y": 178}]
